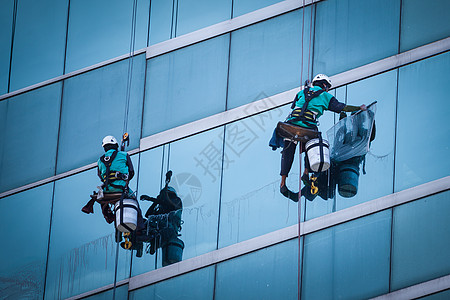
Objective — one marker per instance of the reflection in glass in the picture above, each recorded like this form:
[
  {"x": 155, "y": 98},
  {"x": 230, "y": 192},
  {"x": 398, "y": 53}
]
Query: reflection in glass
[
  {"x": 82, "y": 250},
  {"x": 241, "y": 7},
  {"x": 94, "y": 105},
  {"x": 29, "y": 134},
  {"x": 270, "y": 273},
  {"x": 6, "y": 18},
  {"x": 195, "y": 285},
  {"x": 120, "y": 293},
  {"x": 352, "y": 33},
  {"x": 423, "y": 139},
  {"x": 27, "y": 216},
  {"x": 421, "y": 239},
  {"x": 160, "y": 21},
  {"x": 348, "y": 261}
]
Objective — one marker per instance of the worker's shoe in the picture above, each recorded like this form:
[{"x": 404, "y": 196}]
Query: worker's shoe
[{"x": 288, "y": 194}]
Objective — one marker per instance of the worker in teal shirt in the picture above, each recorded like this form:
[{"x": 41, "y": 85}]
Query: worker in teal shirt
[{"x": 319, "y": 101}]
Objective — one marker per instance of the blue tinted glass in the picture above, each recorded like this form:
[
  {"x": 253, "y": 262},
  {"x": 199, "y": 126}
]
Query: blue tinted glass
[
  {"x": 265, "y": 58},
  {"x": 419, "y": 250},
  {"x": 6, "y": 19},
  {"x": 39, "y": 42},
  {"x": 348, "y": 261},
  {"x": 269, "y": 273},
  {"x": 196, "y": 14},
  {"x": 196, "y": 165},
  {"x": 241, "y": 7},
  {"x": 160, "y": 21},
  {"x": 100, "y": 30},
  {"x": 423, "y": 139},
  {"x": 379, "y": 163},
  {"x": 150, "y": 164},
  {"x": 82, "y": 248},
  {"x": 29, "y": 136},
  {"x": 94, "y": 105},
  {"x": 186, "y": 85},
  {"x": 352, "y": 33},
  {"x": 254, "y": 206},
  {"x": 191, "y": 286},
  {"x": 24, "y": 252},
  {"x": 422, "y": 25}
]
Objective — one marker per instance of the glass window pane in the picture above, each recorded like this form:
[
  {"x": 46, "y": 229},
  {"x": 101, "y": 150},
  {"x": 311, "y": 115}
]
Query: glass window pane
[
  {"x": 24, "y": 252},
  {"x": 29, "y": 136},
  {"x": 423, "y": 23},
  {"x": 191, "y": 286},
  {"x": 150, "y": 173},
  {"x": 196, "y": 165},
  {"x": 252, "y": 204},
  {"x": 6, "y": 19},
  {"x": 39, "y": 42},
  {"x": 82, "y": 247},
  {"x": 423, "y": 134},
  {"x": 270, "y": 273},
  {"x": 101, "y": 30},
  {"x": 121, "y": 293},
  {"x": 179, "y": 81},
  {"x": 94, "y": 106},
  {"x": 196, "y": 14},
  {"x": 379, "y": 164},
  {"x": 265, "y": 58},
  {"x": 161, "y": 16},
  {"x": 241, "y": 7},
  {"x": 421, "y": 238},
  {"x": 348, "y": 261},
  {"x": 352, "y": 33}
]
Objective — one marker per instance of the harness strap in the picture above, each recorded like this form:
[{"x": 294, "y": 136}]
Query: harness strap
[
  {"x": 107, "y": 161},
  {"x": 309, "y": 95},
  {"x": 321, "y": 153}
]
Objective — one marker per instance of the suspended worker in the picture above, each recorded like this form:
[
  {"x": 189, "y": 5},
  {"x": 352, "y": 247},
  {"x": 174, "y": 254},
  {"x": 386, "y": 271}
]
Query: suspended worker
[{"x": 316, "y": 100}]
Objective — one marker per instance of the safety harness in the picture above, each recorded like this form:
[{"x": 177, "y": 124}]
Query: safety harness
[
  {"x": 109, "y": 175},
  {"x": 304, "y": 114}
]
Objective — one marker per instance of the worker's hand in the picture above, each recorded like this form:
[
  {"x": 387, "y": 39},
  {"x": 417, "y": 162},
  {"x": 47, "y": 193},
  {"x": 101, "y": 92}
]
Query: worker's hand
[{"x": 363, "y": 107}]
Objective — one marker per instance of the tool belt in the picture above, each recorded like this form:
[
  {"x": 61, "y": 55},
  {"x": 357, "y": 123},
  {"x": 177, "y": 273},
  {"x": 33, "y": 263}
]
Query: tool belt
[{"x": 113, "y": 175}]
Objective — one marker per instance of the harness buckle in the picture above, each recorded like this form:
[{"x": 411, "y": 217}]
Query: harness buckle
[{"x": 107, "y": 158}]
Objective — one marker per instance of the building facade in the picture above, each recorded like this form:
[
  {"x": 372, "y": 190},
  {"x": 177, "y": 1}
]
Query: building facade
[{"x": 205, "y": 87}]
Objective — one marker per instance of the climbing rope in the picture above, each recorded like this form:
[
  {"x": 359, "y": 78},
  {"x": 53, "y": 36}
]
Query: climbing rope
[{"x": 125, "y": 119}]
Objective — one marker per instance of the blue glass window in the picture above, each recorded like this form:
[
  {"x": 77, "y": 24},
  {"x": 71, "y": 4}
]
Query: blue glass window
[
  {"x": 6, "y": 24},
  {"x": 39, "y": 42},
  {"x": 196, "y": 14},
  {"x": 241, "y": 7},
  {"x": 161, "y": 20},
  {"x": 352, "y": 33},
  {"x": 423, "y": 134},
  {"x": 265, "y": 58},
  {"x": 82, "y": 246},
  {"x": 270, "y": 273},
  {"x": 101, "y": 30},
  {"x": 94, "y": 105},
  {"x": 191, "y": 286},
  {"x": 420, "y": 241},
  {"x": 121, "y": 293},
  {"x": 29, "y": 136},
  {"x": 423, "y": 23},
  {"x": 348, "y": 261},
  {"x": 186, "y": 85},
  {"x": 251, "y": 203},
  {"x": 26, "y": 218}
]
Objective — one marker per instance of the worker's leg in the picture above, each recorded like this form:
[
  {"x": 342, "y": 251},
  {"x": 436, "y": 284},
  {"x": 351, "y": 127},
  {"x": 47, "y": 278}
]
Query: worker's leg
[{"x": 287, "y": 158}]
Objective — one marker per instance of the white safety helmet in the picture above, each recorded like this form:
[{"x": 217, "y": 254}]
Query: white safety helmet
[
  {"x": 109, "y": 140},
  {"x": 322, "y": 77}
]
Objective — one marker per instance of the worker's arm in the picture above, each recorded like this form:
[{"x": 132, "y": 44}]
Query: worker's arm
[
  {"x": 99, "y": 174},
  {"x": 351, "y": 108},
  {"x": 130, "y": 168}
]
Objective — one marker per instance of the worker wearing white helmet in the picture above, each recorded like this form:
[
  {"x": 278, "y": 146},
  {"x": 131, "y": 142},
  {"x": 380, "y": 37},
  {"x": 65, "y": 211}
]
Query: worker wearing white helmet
[{"x": 309, "y": 104}]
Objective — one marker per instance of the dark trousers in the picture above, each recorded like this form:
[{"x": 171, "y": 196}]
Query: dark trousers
[{"x": 287, "y": 157}]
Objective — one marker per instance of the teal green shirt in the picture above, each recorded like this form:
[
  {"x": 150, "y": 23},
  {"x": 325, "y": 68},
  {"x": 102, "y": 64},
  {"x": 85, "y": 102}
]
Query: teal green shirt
[
  {"x": 119, "y": 164},
  {"x": 317, "y": 105}
]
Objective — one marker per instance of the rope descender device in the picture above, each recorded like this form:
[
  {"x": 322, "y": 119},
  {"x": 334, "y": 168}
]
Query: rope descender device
[
  {"x": 126, "y": 244},
  {"x": 314, "y": 188},
  {"x": 125, "y": 139}
]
